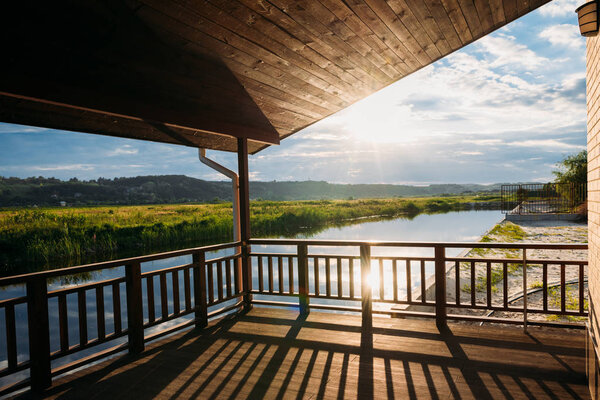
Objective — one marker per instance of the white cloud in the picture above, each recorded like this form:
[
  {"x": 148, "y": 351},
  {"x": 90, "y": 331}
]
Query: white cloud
[
  {"x": 559, "y": 8},
  {"x": 508, "y": 52},
  {"x": 563, "y": 35},
  {"x": 548, "y": 144},
  {"x": 68, "y": 167},
  {"x": 123, "y": 150}
]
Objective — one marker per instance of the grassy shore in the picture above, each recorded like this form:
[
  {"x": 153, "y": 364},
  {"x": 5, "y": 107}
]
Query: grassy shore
[{"x": 39, "y": 237}]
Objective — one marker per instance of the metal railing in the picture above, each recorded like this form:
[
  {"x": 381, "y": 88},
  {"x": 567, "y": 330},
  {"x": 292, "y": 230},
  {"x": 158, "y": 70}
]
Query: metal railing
[
  {"x": 542, "y": 198},
  {"x": 347, "y": 277}
]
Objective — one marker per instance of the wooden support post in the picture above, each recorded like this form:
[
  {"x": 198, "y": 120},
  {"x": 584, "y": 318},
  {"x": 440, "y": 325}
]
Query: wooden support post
[
  {"x": 303, "y": 298},
  {"x": 39, "y": 334},
  {"x": 440, "y": 286},
  {"x": 135, "y": 313},
  {"x": 201, "y": 312},
  {"x": 245, "y": 221},
  {"x": 366, "y": 289}
]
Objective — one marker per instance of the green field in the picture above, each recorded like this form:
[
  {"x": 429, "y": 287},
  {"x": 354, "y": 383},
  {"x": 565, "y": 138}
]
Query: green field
[{"x": 36, "y": 238}]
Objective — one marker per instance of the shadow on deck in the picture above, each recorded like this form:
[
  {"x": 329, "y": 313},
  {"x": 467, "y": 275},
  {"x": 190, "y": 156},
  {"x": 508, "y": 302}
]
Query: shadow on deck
[{"x": 271, "y": 353}]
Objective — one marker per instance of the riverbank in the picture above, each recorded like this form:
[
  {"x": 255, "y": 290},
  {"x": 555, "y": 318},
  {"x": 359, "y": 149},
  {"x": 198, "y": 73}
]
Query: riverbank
[
  {"x": 532, "y": 232},
  {"x": 33, "y": 239}
]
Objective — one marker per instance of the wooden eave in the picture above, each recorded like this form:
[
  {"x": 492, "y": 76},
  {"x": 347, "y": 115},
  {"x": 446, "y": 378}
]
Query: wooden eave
[{"x": 203, "y": 73}]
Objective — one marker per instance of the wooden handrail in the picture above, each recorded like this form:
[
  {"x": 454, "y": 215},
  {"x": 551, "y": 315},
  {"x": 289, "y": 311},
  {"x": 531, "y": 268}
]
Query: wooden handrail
[{"x": 227, "y": 282}]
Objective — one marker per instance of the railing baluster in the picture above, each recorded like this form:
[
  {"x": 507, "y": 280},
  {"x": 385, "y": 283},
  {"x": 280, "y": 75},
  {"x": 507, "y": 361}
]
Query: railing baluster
[
  {"x": 581, "y": 289},
  {"x": 423, "y": 289},
  {"x": 201, "y": 312},
  {"x": 545, "y": 286},
  {"x": 563, "y": 289},
  {"x": 488, "y": 279},
  {"x": 457, "y": 282},
  {"x": 280, "y": 273},
  {"x": 316, "y": 269},
  {"x": 100, "y": 318},
  {"x": 260, "y": 275},
  {"x": 395, "y": 278},
  {"x": 228, "y": 265},
  {"x": 408, "y": 282},
  {"x": 303, "y": 298},
  {"x": 473, "y": 288},
  {"x": 351, "y": 273},
  {"x": 366, "y": 289},
  {"x": 210, "y": 283},
  {"x": 63, "y": 322},
  {"x": 175, "y": 281},
  {"x": 164, "y": 306},
  {"x": 150, "y": 298},
  {"x": 39, "y": 334},
  {"x": 116, "y": 295},
  {"x": 11, "y": 336},
  {"x": 339, "y": 277},
  {"x": 187, "y": 289},
  {"x": 505, "y": 284},
  {"x": 220, "y": 280},
  {"x": 82, "y": 308},
  {"x": 270, "y": 264},
  {"x": 291, "y": 275},
  {"x": 440, "y": 285},
  {"x": 237, "y": 273},
  {"x": 327, "y": 277},
  {"x": 381, "y": 287}
]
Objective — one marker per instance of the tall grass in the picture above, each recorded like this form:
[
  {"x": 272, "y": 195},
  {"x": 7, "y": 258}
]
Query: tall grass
[{"x": 34, "y": 238}]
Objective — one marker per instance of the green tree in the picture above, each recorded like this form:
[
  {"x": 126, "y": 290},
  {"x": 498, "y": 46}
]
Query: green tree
[{"x": 573, "y": 169}]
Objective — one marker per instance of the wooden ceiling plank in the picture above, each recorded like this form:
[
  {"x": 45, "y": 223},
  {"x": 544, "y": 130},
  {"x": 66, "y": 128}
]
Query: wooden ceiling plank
[
  {"x": 470, "y": 13},
  {"x": 230, "y": 22},
  {"x": 296, "y": 104},
  {"x": 414, "y": 60},
  {"x": 319, "y": 44},
  {"x": 510, "y": 9},
  {"x": 266, "y": 27},
  {"x": 424, "y": 18},
  {"x": 299, "y": 12},
  {"x": 411, "y": 37},
  {"x": 275, "y": 65},
  {"x": 244, "y": 64},
  {"x": 357, "y": 25},
  {"x": 484, "y": 13},
  {"x": 458, "y": 20},
  {"x": 437, "y": 10},
  {"x": 341, "y": 29},
  {"x": 537, "y": 3},
  {"x": 497, "y": 12},
  {"x": 523, "y": 6}
]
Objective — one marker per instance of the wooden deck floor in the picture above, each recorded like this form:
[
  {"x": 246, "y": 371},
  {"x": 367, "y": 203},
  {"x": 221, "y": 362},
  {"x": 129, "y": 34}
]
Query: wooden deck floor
[{"x": 272, "y": 353}]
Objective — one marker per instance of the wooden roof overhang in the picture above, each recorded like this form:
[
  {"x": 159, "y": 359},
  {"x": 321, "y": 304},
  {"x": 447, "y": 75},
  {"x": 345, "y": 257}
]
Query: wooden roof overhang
[{"x": 204, "y": 73}]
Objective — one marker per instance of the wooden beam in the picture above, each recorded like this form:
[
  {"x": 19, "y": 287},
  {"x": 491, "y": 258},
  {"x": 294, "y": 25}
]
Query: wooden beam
[{"x": 244, "y": 202}]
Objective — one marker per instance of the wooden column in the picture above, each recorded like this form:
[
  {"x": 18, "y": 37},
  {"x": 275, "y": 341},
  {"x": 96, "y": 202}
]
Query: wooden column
[
  {"x": 366, "y": 289},
  {"x": 245, "y": 221},
  {"x": 135, "y": 313},
  {"x": 303, "y": 298},
  {"x": 440, "y": 286},
  {"x": 39, "y": 334},
  {"x": 201, "y": 312}
]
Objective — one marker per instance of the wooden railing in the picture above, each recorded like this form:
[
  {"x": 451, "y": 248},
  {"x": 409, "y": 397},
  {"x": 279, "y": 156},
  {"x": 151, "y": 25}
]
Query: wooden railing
[{"x": 348, "y": 277}]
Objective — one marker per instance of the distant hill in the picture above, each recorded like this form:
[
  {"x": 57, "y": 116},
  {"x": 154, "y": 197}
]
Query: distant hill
[{"x": 180, "y": 189}]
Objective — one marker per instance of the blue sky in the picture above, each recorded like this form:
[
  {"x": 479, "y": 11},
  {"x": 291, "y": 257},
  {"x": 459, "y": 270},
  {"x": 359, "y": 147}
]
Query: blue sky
[{"x": 505, "y": 108}]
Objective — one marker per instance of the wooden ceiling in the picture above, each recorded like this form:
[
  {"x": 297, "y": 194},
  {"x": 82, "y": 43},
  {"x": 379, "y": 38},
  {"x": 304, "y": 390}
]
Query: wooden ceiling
[{"x": 201, "y": 73}]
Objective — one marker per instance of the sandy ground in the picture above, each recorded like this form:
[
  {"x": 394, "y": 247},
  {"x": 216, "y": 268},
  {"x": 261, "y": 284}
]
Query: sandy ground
[{"x": 535, "y": 232}]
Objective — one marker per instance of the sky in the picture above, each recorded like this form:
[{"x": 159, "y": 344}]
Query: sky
[{"x": 505, "y": 108}]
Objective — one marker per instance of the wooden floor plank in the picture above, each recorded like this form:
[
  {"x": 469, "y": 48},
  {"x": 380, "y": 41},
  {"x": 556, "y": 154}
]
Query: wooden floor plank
[{"x": 270, "y": 353}]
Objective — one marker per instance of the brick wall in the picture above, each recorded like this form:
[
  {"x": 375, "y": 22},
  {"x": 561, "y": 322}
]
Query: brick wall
[{"x": 593, "y": 127}]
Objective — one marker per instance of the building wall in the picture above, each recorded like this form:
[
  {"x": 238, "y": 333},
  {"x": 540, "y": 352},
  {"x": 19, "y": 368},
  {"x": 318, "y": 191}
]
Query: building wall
[{"x": 593, "y": 127}]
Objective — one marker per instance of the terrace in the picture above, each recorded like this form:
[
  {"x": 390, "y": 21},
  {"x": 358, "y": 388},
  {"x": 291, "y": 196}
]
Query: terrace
[{"x": 240, "y": 76}]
